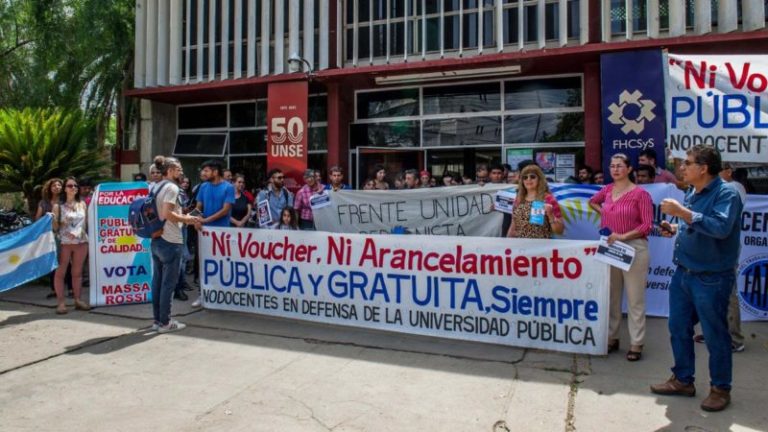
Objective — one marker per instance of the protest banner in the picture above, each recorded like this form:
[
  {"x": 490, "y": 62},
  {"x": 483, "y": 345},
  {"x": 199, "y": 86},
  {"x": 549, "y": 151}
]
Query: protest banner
[
  {"x": 454, "y": 211},
  {"x": 545, "y": 294},
  {"x": 718, "y": 100},
  {"x": 582, "y": 223},
  {"x": 120, "y": 262},
  {"x": 752, "y": 273}
]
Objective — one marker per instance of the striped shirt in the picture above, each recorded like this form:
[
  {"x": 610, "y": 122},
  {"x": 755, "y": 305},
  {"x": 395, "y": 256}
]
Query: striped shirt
[{"x": 632, "y": 211}]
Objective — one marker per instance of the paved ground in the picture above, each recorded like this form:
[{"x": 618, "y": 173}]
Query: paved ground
[{"x": 104, "y": 371}]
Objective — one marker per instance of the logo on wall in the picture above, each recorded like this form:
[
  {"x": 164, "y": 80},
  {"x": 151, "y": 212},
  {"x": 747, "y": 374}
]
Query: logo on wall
[
  {"x": 632, "y": 112},
  {"x": 752, "y": 284}
]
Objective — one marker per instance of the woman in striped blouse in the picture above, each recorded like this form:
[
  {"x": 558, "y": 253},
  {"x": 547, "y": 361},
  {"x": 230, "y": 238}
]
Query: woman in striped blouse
[{"x": 627, "y": 211}]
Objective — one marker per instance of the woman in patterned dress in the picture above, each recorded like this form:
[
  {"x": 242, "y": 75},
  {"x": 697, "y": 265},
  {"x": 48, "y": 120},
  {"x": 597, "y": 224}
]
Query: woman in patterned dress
[{"x": 532, "y": 194}]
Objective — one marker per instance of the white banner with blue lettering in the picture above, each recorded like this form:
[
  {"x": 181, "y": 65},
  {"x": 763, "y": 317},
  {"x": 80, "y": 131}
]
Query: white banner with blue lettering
[
  {"x": 718, "y": 100},
  {"x": 27, "y": 254},
  {"x": 548, "y": 294}
]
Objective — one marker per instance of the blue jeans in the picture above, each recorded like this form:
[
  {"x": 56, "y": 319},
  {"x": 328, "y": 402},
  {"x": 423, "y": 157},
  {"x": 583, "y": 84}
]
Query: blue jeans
[
  {"x": 166, "y": 258},
  {"x": 701, "y": 297}
]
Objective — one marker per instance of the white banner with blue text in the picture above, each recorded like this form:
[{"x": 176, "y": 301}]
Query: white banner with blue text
[
  {"x": 548, "y": 294},
  {"x": 718, "y": 100}
]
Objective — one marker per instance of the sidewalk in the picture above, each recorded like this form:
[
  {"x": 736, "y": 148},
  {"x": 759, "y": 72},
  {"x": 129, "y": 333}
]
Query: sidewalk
[{"x": 104, "y": 371}]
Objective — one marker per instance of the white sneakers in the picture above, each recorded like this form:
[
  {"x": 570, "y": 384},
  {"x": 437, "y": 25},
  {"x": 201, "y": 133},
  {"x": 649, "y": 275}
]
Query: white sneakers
[{"x": 172, "y": 326}]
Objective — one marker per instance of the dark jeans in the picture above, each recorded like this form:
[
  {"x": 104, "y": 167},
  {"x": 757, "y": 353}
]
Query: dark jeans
[
  {"x": 166, "y": 258},
  {"x": 306, "y": 225},
  {"x": 701, "y": 297}
]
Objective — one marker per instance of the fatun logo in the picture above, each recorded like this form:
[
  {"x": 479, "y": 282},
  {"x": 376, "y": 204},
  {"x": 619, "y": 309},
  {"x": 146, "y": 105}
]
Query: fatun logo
[{"x": 632, "y": 112}]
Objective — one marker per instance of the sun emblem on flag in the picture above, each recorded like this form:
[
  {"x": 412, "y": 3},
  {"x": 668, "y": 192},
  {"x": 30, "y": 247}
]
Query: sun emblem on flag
[{"x": 14, "y": 259}]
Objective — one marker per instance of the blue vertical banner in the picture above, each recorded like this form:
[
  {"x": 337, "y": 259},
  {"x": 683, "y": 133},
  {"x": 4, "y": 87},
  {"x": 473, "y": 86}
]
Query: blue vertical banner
[{"x": 632, "y": 95}]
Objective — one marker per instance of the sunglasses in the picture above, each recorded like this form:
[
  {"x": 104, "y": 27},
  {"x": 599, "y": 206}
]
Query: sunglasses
[
  {"x": 530, "y": 177},
  {"x": 73, "y": 186}
]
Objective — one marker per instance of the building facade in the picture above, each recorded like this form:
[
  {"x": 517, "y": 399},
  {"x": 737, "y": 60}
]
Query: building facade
[{"x": 441, "y": 85}]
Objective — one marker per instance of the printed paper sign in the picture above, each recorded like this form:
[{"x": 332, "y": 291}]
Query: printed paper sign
[
  {"x": 617, "y": 254},
  {"x": 321, "y": 200},
  {"x": 265, "y": 216},
  {"x": 504, "y": 201}
]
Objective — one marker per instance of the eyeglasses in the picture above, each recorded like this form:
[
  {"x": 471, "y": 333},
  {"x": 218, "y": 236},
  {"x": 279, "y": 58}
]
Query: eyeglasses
[
  {"x": 530, "y": 177},
  {"x": 73, "y": 186}
]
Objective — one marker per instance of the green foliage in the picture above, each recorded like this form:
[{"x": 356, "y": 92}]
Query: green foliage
[
  {"x": 37, "y": 144},
  {"x": 68, "y": 54}
]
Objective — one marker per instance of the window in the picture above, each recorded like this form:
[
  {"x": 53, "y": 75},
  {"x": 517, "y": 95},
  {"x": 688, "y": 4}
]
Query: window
[
  {"x": 394, "y": 134},
  {"x": 542, "y": 93},
  {"x": 200, "y": 145},
  {"x": 462, "y": 98},
  {"x": 241, "y": 141},
  {"x": 203, "y": 117},
  {"x": 462, "y": 131},
  {"x": 391, "y": 103},
  {"x": 520, "y": 112},
  {"x": 242, "y": 115}
]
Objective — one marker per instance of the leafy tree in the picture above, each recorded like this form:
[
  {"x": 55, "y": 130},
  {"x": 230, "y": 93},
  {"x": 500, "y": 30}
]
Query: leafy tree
[{"x": 37, "y": 144}]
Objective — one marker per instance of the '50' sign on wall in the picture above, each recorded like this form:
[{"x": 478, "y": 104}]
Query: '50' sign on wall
[
  {"x": 290, "y": 130},
  {"x": 287, "y": 111}
]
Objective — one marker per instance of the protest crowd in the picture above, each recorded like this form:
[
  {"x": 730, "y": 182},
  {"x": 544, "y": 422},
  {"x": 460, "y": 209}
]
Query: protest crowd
[{"x": 705, "y": 252}]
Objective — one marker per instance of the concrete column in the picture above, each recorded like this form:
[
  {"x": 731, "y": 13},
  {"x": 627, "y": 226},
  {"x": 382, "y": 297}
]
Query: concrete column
[
  {"x": 309, "y": 33},
  {"x": 752, "y": 14},
  {"x": 293, "y": 32},
  {"x": 266, "y": 32},
  {"x": 727, "y": 16},
  {"x": 339, "y": 111},
  {"x": 163, "y": 26},
  {"x": 176, "y": 30},
  {"x": 151, "y": 44},
  {"x": 224, "y": 70},
  {"x": 279, "y": 45},
  {"x": 140, "y": 44},
  {"x": 212, "y": 41},
  {"x": 239, "y": 38},
  {"x": 324, "y": 33}
]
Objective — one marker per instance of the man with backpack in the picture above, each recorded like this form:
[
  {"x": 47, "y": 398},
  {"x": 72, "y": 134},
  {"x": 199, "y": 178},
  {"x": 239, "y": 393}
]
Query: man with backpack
[{"x": 167, "y": 247}]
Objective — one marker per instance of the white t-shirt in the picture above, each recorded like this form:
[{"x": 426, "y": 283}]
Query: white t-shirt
[{"x": 169, "y": 193}]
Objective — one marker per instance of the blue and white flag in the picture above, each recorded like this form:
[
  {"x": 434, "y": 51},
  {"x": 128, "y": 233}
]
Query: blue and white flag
[{"x": 27, "y": 254}]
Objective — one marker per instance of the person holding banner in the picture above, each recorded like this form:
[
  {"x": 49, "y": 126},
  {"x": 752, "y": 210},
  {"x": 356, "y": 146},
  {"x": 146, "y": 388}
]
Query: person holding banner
[
  {"x": 706, "y": 254},
  {"x": 626, "y": 210},
  {"x": 276, "y": 194},
  {"x": 70, "y": 221},
  {"x": 536, "y": 213}
]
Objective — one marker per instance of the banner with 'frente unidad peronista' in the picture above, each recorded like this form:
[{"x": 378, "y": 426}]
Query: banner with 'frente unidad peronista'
[{"x": 548, "y": 294}]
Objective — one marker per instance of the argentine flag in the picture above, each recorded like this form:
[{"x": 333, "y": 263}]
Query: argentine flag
[{"x": 27, "y": 254}]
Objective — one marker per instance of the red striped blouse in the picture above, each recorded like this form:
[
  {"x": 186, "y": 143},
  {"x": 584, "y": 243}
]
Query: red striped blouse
[{"x": 632, "y": 211}]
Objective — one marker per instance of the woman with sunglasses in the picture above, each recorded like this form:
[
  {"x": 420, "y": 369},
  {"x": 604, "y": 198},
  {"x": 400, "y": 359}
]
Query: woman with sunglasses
[
  {"x": 70, "y": 222},
  {"x": 536, "y": 213},
  {"x": 626, "y": 214}
]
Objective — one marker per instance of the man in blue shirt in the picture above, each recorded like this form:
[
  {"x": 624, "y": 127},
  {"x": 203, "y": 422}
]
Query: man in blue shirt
[
  {"x": 276, "y": 195},
  {"x": 706, "y": 252},
  {"x": 214, "y": 199},
  {"x": 216, "y": 196}
]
